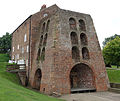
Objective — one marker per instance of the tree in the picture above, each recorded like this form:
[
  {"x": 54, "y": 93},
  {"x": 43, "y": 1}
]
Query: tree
[
  {"x": 111, "y": 52},
  {"x": 5, "y": 43},
  {"x": 109, "y": 39}
]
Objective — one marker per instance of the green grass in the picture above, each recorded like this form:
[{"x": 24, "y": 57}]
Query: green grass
[
  {"x": 114, "y": 76},
  {"x": 114, "y": 66},
  {"x": 4, "y": 58},
  {"x": 10, "y": 90}
]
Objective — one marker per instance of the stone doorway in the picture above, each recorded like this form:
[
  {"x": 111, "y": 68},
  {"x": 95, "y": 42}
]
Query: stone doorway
[
  {"x": 81, "y": 78},
  {"x": 38, "y": 76}
]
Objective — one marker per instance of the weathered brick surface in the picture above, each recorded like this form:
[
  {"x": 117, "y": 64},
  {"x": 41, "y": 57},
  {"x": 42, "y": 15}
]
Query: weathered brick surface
[
  {"x": 58, "y": 63},
  {"x": 18, "y": 39}
]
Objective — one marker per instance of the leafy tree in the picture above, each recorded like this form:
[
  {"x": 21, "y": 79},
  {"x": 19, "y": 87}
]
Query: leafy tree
[
  {"x": 5, "y": 43},
  {"x": 111, "y": 52},
  {"x": 109, "y": 39}
]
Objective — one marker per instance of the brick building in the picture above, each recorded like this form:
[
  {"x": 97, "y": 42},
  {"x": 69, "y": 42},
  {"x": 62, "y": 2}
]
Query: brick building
[{"x": 61, "y": 51}]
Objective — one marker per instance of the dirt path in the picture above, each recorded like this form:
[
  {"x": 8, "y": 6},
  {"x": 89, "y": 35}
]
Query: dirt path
[{"x": 97, "y": 96}]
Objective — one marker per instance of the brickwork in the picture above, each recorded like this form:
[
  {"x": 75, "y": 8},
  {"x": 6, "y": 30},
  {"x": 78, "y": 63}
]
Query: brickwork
[
  {"x": 81, "y": 76},
  {"x": 19, "y": 44},
  {"x": 61, "y": 40}
]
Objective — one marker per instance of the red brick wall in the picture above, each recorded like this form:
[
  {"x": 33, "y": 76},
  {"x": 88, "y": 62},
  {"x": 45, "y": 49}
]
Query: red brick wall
[
  {"x": 37, "y": 21},
  {"x": 64, "y": 62},
  {"x": 58, "y": 51},
  {"x": 58, "y": 55},
  {"x": 18, "y": 39}
]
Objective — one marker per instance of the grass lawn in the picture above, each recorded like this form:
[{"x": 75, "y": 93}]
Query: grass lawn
[
  {"x": 114, "y": 76},
  {"x": 4, "y": 57},
  {"x": 114, "y": 66},
  {"x": 10, "y": 90}
]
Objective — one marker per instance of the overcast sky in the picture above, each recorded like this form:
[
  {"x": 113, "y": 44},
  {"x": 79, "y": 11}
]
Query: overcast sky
[{"x": 105, "y": 13}]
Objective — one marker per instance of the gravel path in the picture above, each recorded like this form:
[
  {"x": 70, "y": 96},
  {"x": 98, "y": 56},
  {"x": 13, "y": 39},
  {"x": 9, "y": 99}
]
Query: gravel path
[{"x": 96, "y": 96}]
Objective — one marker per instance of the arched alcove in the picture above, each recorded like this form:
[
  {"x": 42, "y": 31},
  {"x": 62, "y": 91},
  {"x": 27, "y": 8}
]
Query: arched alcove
[
  {"x": 82, "y": 25},
  {"x": 74, "y": 38},
  {"x": 41, "y": 40},
  {"x": 72, "y": 23},
  {"x": 43, "y": 54},
  {"x": 75, "y": 53},
  {"x": 37, "y": 78},
  {"x": 38, "y": 54},
  {"x": 43, "y": 27},
  {"x": 47, "y": 27},
  {"x": 85, "y": 53},
  {"x": 45, "y": 40},
  {"x": 81, "y": 78},
  {"x": 83, "y": 39}
]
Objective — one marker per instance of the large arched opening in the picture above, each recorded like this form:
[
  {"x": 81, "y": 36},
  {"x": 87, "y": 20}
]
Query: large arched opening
[
  {"x": 82, "y": 78},
  {"x": 38, "y": 76}
]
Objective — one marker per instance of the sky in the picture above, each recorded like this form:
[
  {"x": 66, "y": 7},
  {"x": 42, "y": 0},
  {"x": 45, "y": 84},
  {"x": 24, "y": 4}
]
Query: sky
[{"x": 105, "y": 13}]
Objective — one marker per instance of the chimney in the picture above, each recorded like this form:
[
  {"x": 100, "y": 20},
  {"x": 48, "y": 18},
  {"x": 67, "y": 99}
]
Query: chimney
[{"x": 43, "y": 7}]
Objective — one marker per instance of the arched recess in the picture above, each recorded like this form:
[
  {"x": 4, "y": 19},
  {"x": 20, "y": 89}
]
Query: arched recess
[
  {"x": 82, "y": 78},
  {"x": 47, "y": 27},
  {"x": 37, "y": 78},
  {"x": 83, "y": 39},
  {"x": 82, "y": 25},
  {"x": 43, "y": 27},
  {"x": 85, "y": 53},
  {"x": 43, "y": 54},
  {"x": 45, "y": 40},
  {"x": 38, "y": 54},
  {"x": 75, "y": 54},
  {"x": 41, "y": 40},
  {"x": 72, "y": 23},
  {"x": 74, "y": 38}
]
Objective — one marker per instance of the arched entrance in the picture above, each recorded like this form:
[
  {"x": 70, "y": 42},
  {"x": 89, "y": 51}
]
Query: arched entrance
[
  {"x": 81, "y": 78},
  {"x": 38, "y": 76}
]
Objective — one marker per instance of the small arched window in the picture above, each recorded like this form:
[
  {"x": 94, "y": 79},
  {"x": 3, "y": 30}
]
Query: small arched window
[
  {"x": 82, "y": 25},
  {"x": 38, "y": 55},
  {"x": 72, "y": 23},
  {"x": 43, "y": 28},
  {"x": 83, "y": 38},
  {"x": 75, "y": 53},
  {"x": 43, "y": 54},
  {"x": 47, "y": 27},
  {"x": 85, "y": 53},
  {"x": 41, "y": 40},
  {"x": 74, "y": 38},
  {"x": 45, "y": 40}
]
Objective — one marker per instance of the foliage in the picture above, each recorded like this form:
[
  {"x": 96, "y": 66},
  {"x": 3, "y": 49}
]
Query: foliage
[
  {"x": 114, "y": 76},
  {"x": 111, "y": 52},
  {"x": 5, "y": 43},
  {"x": 109, "y": 39},
  {"x": 4, "y": 57}
]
